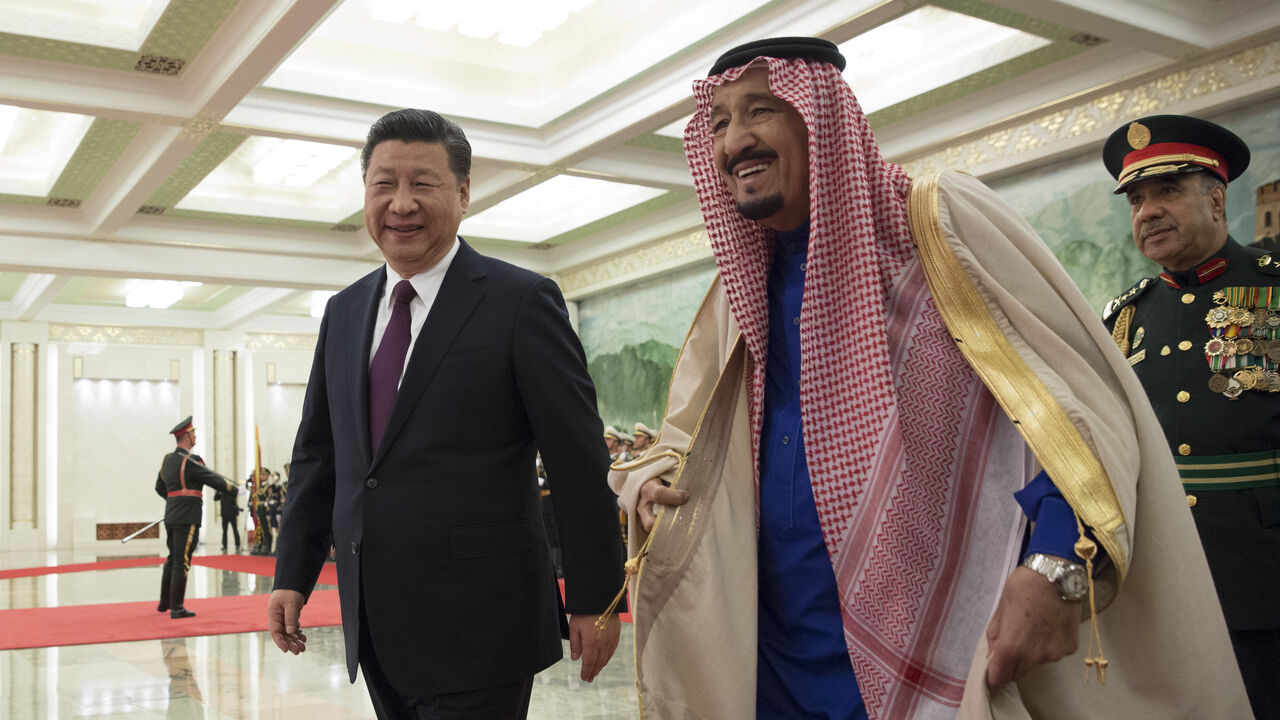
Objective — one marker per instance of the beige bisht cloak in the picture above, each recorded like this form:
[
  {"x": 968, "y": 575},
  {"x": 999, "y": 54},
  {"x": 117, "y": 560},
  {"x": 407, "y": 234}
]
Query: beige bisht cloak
[{"x": 1039, "y": 349}]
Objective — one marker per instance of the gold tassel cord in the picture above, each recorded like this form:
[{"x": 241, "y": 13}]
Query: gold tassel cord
[
  {"x": 631, "y": 567},
  {"x": 1087, "y": 549}
]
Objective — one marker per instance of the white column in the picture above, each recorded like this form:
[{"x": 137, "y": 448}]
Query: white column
[
  {"x": 224, "y": 412},
  {"x": 23, "y": 445}
]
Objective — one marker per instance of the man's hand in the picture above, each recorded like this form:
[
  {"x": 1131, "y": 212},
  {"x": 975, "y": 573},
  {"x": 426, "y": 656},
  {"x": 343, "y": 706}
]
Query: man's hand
[
  {"x": 655, "y": 491},
  {"x": 283, "y": 609},
  {"x": 594, "y": 647},
  {"x": 1031, "y": 626}
]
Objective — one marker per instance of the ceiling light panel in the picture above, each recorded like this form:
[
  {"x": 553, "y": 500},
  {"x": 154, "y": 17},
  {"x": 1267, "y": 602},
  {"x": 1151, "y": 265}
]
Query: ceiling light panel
[
  {"x": 926, "y": 49},
  {"x": 487, "y": 66},
  {"x": 155, "y": 294},
  {"x": 675, "y": 129},
  {"x": 35, "y": 146},
  {"x": 289, "y": 179},
  {"x": 118, "y": 24},
  {"x": 561, "y": 204}
]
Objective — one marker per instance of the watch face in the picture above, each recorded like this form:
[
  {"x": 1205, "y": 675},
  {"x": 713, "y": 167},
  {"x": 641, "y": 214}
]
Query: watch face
[{"x": 1074, "y": 585}]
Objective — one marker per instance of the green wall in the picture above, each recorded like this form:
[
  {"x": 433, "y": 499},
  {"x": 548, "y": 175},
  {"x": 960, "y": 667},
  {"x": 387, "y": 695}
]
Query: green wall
[{"x": 632, "y": 337}]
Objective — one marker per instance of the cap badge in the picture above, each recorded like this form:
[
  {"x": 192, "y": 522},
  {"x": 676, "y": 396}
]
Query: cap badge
[{"x": 1139, "y": 136}]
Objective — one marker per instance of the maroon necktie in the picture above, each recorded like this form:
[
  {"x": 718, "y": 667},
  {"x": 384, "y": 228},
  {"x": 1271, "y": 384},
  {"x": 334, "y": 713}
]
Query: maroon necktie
[{"x": 388, "y": 363}]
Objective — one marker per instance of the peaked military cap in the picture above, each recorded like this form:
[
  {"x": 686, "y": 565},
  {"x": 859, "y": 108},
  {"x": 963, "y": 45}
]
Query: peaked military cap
[
  {"x": 611, "y": 432},
  {"x": 642, "y": 429},
  {"x": 183, "y": 427},
  {"x": 805, "y": 48},
  {"x": 1171, "y": 144}
]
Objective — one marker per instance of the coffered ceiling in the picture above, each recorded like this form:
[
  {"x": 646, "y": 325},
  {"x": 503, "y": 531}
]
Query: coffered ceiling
[{"x": 213, "y": 144}]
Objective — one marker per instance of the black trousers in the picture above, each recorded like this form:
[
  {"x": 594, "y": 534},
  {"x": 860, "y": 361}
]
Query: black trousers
[
  {"x": 230, "y": 522},
  {"x": 182, "y": 540},
  {"x": 503, "y": 702},
  {"x": 1258, "y": 652}
]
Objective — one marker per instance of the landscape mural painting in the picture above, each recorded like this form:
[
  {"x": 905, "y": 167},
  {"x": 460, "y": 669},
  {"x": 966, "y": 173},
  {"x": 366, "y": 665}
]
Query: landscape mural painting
[{"x": 632, "y": 337}]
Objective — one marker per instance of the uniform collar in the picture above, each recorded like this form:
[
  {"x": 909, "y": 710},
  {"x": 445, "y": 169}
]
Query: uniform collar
[{"x": 1205, "y": 271}]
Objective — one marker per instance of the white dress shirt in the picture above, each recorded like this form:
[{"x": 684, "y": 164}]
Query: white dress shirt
[{"x": 427, "y": 285}]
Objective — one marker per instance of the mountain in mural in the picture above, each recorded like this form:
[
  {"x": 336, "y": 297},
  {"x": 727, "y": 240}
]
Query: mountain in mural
[
  {"x": 1089, "y": 232},
  {"x": 631, "y": 385}
]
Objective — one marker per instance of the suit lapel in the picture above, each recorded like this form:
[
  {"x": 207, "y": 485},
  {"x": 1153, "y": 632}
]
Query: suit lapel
[
  {"x": 460, "y": 293},
  {"x": 364, "y": 316}
]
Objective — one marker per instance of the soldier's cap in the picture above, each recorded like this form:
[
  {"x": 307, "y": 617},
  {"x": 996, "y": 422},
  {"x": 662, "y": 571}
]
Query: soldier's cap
[
  {"x": 611, "y": 432},
  {"x": 642, "y": 429},
  {"x": 1172, "y": 144},
  {"x": 805, "y": 48},
  {"x": 183, "y": 427}
]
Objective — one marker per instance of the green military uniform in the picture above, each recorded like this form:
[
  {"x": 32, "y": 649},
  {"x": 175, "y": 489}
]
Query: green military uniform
[
  {"x": 1205, "y": 343},
  {"x": 180, "y": 482},
  {"x": 1225, "y": 437}
]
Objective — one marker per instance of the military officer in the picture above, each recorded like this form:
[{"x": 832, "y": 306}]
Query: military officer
[
  {"x": 613, "y": 441},
  {"x": 1204, "y": 339},
  {"x": 644, "y": 436},
  {"x": 181, "y": 477}
]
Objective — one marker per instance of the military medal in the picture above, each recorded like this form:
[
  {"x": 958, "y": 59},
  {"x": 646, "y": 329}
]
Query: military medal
[
  {"x": 1244, "y": 348},
  {"x": 1218, "y": 317},
  {"x": 1137, "y": 337},
  {"x": 1273, "y": 381},
  {"x": 1218, "y": 383}
]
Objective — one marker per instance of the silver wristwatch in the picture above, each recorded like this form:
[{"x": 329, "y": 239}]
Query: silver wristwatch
[{"x": 1069, "y": 577}]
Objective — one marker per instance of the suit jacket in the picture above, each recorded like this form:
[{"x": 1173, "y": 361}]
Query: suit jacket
[
  {"x": 182, "y": 490},
  {"x": 438, "y": 530}
]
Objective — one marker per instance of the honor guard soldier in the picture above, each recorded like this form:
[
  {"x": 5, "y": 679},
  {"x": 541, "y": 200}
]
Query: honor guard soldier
[
  {"x": 180, "y": 481},
  {"x": 613, "y": 441},
  {"x": 644, "y": 436},
  {"x": 1204, "y": 339}
]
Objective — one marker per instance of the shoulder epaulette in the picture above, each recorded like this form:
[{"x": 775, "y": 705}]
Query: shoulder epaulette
[
  {"x": 1126, "y": 297},
  {"x": 1269, "y": 263}
]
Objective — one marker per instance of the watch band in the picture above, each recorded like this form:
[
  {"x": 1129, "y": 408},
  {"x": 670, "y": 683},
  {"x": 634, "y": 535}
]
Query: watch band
[{"x": 1069, "y": 577}]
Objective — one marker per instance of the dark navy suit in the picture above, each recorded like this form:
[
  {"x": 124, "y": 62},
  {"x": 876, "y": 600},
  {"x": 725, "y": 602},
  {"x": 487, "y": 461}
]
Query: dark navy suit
[{"x": 441, "y": 523}]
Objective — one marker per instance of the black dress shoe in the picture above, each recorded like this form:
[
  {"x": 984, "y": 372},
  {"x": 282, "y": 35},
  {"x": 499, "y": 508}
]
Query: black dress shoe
[
  {"x": 162, "y": 607},
  {"x": 180, "y": 613}
]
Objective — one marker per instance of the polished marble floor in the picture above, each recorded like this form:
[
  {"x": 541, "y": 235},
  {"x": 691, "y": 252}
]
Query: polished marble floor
[{"x": 224, "y": 676}]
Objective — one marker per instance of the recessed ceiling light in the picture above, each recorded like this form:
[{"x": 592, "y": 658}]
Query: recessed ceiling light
[
  {"x": 287, "y": 179},
  {"x": 119, "y": 24},
  {"x": 518, "y": 23},
  {"x": 35, "y": 148},
  {"x": 926, "y": 49},
  {"x": 156, "y": 294},
  {"x": 550, "y": 208}
]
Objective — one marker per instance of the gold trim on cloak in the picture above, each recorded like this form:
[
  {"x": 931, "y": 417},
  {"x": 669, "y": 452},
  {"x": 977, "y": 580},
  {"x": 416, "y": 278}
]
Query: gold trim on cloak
[{"x": 1043, "y": 423}]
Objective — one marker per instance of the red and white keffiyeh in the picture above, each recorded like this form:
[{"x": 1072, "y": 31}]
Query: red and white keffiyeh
[{"x": 903, "y": 496}]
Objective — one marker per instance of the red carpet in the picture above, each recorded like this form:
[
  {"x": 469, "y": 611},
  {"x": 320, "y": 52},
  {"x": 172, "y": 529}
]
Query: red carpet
[
  {"x": 125, "y": 622},
  {"x": 81, "y": 567},
  {"x": 259, "y": 565},
  {"x": 255, "y": 564}
]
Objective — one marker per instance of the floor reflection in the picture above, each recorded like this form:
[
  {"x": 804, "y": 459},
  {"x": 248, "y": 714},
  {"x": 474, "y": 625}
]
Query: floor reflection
[{"x": 225, "y": 676}]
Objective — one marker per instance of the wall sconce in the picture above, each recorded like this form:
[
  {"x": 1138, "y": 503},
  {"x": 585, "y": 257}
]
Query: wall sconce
[
  {"x": 271, "y": 373},
  {"x": 175, "y": 370},
  {"x": 77, "y": 367}
]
